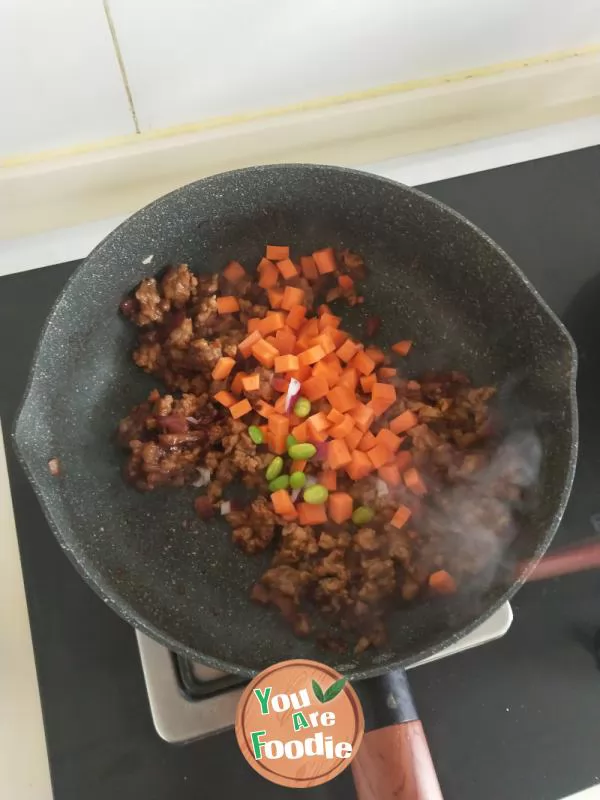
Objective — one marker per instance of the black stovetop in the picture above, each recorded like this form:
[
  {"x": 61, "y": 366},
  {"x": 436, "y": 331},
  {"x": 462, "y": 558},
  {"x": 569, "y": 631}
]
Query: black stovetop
[{"x": 518, "y": 719}]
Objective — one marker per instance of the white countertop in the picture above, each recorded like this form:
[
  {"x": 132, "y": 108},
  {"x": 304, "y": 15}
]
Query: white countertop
[{"x": 24, "y": 772}]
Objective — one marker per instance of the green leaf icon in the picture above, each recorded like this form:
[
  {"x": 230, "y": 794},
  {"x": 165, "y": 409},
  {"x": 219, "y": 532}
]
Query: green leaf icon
[
  {"x": 334, "y": 690},
  {"x": 318, "y": 692}
]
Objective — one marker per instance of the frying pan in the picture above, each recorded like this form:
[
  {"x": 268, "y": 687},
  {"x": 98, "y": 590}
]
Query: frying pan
[{"x": 434, "y": 278}]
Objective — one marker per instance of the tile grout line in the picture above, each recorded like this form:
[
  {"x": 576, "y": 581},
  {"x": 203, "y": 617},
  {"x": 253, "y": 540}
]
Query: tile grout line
[{"x": 120, "y": 61}]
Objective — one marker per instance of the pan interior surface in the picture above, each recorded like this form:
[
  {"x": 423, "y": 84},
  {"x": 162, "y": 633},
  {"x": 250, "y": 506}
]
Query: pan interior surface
[{"x": 433, "y": 278}]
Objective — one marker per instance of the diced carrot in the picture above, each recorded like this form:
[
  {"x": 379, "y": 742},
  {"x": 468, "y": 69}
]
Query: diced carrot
[
  {"x": 292, "y": 296},
  {"x": 265, "y": 353},
  {"x": 298, "y": 466},
  {"x": 246, "y": 346},
  {"x": 227, "y": 305},
  {"x": 309, "y": 268},
  {"x": 307, "y": 333},
  {"x": 379, "y": 407},
  {"x": 277, "y": 252},
  {"x": 311, "y": 355},
  {"x": 402, "y": 348},
  {"x": 280, "y": 383},
  {"x": 363, "y": 363},
  {"x": 338, "y": 336},
  {"x": 279, "y": 423},
  {"x": 376, "y": 354},
  {"x": 335, "y": 416},
  {"x": 285, "y": 340},
  {"x": 269, "y": 274},
  {"x": 222, "y": 368},
  {"x": 251, "y": 383},
  {"x": 403, "y": 422},
  {"x": 403, "y": 460},
  {"x": 324, "y": 373},
  {"x": 360, "y": 466},
  {"x": 401, "y": 517},
  {"x": 390, "y": 474},
  {"x": 239, "y": 409},
  {"x": 383, "y": 396},
  {"x": 363, "y": 416},
  {"x": 300, "y": 432},
  {"x": 302, "y": 374},
  {"x": 368, "y": 382},
  {"x": 342, "y": 398},
  {"x": 327, "y": 320},
  {"x": 315, "y": 388},
  {"x": 271, "y": 323},
  {"x": 325, "y": 260},
  {"x": 252, "y": 324},
  {"x": 323, "y": 309},
  {"x": 263, "y": 264},
  {"x": 346, "y": 283},
  {"x": 379, "y": 455},
  {"x": 348, "y": 350},
  {"x": 264, "y": 409},
  {"x": 295, "y": 318},
  {"x": 285, "y": 363},
  {"x": 414, "y": 482},
  {"x": 348, "y": 378},
  {"x": 388, "y": 440},
  {"x": 237, "y": 387},
  {"x": 272, "y": 341},
  {"x": 387, "y": 372},
  {"x": 318, "y": 422},
  {"x": 225, "y": 399},
  {"x": 367, "y": 442},
  {"x": 328, "y": 479},
  {"x": 234, "y": 272},
  {"x": 338, "y": 454},
  {"x": 339, "y": 505},
  {"x": 275, "y": 296},
  {"x": 310, "y": 514},
  {"x": 282, "y": 504},
  {"x": 441, "y": 582},
  {"x": 263, "y": 429},
  {"x": 280, "y": 404},
  {"x": 354, "y": 438},
  {"x": 287, "y": 268},
  {"x": 333, "y": 364},
  {"x": 326, "y": 343},
  {"x": 342, "y": 430}
]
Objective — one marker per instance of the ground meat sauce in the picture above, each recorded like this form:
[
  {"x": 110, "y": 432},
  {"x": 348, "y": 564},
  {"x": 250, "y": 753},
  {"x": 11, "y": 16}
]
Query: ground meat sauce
[{"x": 414, "y": 445}]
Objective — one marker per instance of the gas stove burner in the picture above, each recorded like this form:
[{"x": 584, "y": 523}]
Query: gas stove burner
[{"x": 191, "y": 701}]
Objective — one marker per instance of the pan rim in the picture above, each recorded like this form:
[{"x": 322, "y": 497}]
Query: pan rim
[{"x": 125, "y": 609}]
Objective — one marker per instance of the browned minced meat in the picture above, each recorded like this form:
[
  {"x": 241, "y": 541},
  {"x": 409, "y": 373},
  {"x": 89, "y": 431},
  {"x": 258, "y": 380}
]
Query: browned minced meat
[{"x": 326, "y": 575}]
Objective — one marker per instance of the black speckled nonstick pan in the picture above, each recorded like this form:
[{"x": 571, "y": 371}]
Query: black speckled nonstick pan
[{"x": 433, "y": 278}]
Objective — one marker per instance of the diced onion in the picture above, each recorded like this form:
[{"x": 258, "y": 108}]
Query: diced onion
[
  {"x": 292, "y": 392},
  {"x": 203, "y": 478},
  {"x": 225, "y": 507},
  {"x": 381, "y": 488}
]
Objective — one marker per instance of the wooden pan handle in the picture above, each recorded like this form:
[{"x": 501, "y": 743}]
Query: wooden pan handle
[{"x": 393, "y": 761}]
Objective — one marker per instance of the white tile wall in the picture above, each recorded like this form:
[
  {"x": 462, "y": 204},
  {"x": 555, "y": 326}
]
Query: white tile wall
[
  {"x": 60, "y": 83},
  {"x": 188, "y": 60}
]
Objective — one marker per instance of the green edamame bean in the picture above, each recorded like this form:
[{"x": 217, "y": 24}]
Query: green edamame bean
[
  {"x": 256, "y": 434},
  {"x": 282, "y": 482},
  {"x": 302, "y": 452},
  {"x": 362, "y": 515},
  {"x": 274, "y": 469},
  {"x": 302, "y": 407},
  {"x": 297, "y": 480},
  {"x": 316, "y": 494},
  {"x": 290, "y": 441}
]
